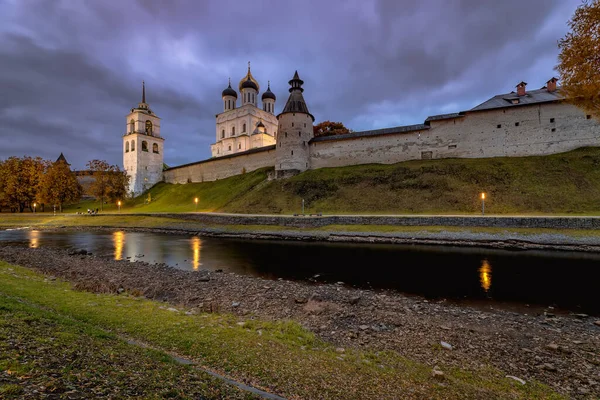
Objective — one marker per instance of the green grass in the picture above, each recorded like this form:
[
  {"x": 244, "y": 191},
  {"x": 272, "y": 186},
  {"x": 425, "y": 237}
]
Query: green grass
[
  {"x": 280, "y": 355},
  {"x": 565, "y": 183}
]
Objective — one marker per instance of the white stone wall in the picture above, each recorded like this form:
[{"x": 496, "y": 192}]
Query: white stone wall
[
  {"x": 295, "y": 131},
  {"x": 220, "y": 168},
  {"x": 247, "y": 114},
  {"x": 144, "y": 167},
  {"x": 476, "y": 135}
]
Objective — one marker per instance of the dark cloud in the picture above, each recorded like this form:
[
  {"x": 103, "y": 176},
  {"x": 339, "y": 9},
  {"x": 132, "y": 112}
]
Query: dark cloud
[{"x": 71, "y": 71}]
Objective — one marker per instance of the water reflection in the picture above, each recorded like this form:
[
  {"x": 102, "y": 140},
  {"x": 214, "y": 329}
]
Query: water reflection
[
  {"x": 34, "y": 239},
  {"x": 196, "y": 246},
  {"x": 118, "y": 240},
  {"x": 485, "y": 275}
]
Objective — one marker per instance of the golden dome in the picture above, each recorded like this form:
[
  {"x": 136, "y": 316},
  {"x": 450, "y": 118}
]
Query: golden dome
[{"x": 247, "y": 77}]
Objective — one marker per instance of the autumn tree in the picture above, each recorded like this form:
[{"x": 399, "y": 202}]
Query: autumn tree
[
  {"x": 19, "y": 181},
  {"x": 59, "y": 186},
  {"x": 579, "y": 58},
  {"x": 328, "y": 128},
  {"x": 109, "y": 181}
]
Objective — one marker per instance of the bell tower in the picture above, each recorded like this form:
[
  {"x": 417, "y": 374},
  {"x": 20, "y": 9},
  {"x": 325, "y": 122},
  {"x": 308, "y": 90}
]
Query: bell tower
[{"x": 143, "y": 148}]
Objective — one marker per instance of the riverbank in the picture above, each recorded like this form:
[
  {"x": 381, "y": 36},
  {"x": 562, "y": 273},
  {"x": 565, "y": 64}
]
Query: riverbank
[
  {"x": 519, "y": 233},
  {"x": 558, "y": 350}
]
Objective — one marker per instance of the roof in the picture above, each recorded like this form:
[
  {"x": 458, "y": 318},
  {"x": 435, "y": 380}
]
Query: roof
[
  {"x": 444, "y": 116},
  {"x": 376, "y": 132},
  {"x": 531, "y": 97},
  {"x": 62, "y": 158},
  {"x": 241, "y": 153}
]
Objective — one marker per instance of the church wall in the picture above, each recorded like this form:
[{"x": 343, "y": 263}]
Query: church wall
[
  {"x": 476, "y": 135},
  {"x": 221, "y": 167}
]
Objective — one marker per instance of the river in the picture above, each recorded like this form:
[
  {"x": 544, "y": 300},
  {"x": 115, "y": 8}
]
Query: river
[{"x": 489, "y": 277}]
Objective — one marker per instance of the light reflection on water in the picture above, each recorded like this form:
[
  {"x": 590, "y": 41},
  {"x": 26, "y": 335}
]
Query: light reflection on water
[
  {"x": 485, "y": 275},
  {"x": 532, "y": 277}
]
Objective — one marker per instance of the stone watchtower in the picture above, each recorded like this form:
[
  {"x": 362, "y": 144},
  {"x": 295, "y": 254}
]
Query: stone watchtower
[
  {"x": 294, "y": 132},
  {"x": 143, "y": 148}
]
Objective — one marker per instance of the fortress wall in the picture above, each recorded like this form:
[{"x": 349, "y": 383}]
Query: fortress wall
[
  {"x": 219, "y": 168},
  {"x": 476, "y": 135}
]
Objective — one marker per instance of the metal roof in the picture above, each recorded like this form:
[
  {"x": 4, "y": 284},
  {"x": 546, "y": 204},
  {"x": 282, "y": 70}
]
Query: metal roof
[
  {"x": 376, "y": 132},
  {"x": 444, "y": 116},
  {"x": 531, "y": 97}
]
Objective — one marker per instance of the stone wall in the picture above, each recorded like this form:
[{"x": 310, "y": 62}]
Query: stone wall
[
  {"x": 222, "y": 167},
  {"x": 520, "y": 131}
]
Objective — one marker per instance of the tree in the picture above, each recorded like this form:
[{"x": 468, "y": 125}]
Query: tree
[
  {"x": 109, "y": 181},
  {"x": 19, "y": 181},
  {"x": 328, "y": 128},
  {"x": 579, "y": 58},
  {"x": 59, "y": 185}
]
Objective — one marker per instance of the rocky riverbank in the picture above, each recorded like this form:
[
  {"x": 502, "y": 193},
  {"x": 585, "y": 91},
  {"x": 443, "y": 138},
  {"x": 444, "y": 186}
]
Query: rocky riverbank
[{"x": 562, "y": 351}]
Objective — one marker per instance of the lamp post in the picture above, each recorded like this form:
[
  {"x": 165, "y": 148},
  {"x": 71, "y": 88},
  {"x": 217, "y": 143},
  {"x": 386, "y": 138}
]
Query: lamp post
[
  {"x": 482, "y": 203},
  {"x": 54, "y": 209},
  {"x": 34, "y": 205},
  {"x": 119, "y": 204},
  {"x": 196, "y": 204},
  {"x": 302, "y": 206}
]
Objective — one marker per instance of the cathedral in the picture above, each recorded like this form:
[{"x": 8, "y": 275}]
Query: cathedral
[{"x": 247, "y": 126}]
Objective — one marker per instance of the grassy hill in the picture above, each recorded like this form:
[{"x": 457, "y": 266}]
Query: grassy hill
[{"x": 562, "y": 183}]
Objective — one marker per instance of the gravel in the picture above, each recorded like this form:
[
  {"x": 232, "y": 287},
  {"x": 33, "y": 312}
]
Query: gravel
[{"x": 563, "y": 351}]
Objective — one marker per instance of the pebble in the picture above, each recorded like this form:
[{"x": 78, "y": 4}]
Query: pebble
[
  {"x": 437, "y": 373},
  {"x": 363, "y": 327},
  {"x": 552, "y": 346},
  {"x": 172, "y": 309},
  {"x": 235, "y": 304},
  {"x": 549, "y": 367},
  {"x": 446, "y": 345},
  {"x": 597, "y": 323},
  {"x": 581, "y": 316}
]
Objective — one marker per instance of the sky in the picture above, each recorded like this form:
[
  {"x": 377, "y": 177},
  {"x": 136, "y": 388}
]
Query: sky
[{"x": 71, "y": 70}]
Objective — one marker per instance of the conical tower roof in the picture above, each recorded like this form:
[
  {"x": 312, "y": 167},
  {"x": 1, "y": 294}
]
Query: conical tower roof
[{"x": 296, "y": 103}]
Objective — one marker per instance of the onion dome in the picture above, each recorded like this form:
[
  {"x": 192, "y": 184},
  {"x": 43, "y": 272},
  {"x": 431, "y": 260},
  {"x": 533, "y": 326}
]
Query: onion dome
[
  {"x": 248, "y": 81},
  {"x": 268, "y": 94},
  {"x": 229, "y": 91}
]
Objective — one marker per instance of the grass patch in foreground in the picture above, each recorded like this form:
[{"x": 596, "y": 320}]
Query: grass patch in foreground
[{"x": 278, "y": 355}]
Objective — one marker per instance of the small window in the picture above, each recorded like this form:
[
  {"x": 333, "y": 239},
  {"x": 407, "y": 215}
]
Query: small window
[
  {"x": 452, "y": 146},
  {"x": 239, "y": 146},
  {"x": 292, "y": 152},
  {"x": 223, "y": 134},
  {"x": 148, "y": 127},
  {"x": 304, "y": 143},
  {"x": 232, "y": 130},
  {"x": 126, "y": 147},
  {"x": 292, "y": 124},
  {"x": 551, "y": 120},
  {"x": 132, "y": 145},
  {"x": 299, "y": 134},
  {"x": 517, "y": 123},
  {"x": 588, "y": 117},
  {"x": 155, "y": 148},
  {"x": 553, "y": 129},
  {"x": 426, "y": 155},
  {"x": 499, "y": 126},
  {"x": 244, "y": 128},
  {"x": 229, "y": 148},
  {"x": 286, "y": 134},
  {"x": 305, "y": 124},
  {"x": 144, "y": 146},
  {"x": 131, "y": 126}
]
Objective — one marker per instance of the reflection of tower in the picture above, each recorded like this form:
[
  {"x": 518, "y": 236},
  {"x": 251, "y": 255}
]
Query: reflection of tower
[
  {"x": 118, "y": 240},
  {"x": 485, "y": 275},
  {"x": 196, "y": 246}
]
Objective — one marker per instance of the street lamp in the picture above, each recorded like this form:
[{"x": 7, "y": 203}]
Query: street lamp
[
  {"x": 482, "y": 203},
  {"x": 196, "y": 201},
  {"x": 34, "y": 205},
  {"x": 119, "y": 204}
]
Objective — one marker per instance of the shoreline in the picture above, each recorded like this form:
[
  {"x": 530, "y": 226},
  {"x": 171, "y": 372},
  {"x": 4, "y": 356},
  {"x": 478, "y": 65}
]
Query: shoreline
[{"x": 558, "y": 350}]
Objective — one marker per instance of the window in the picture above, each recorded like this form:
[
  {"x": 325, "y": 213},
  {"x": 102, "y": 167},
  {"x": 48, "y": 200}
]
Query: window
[
  {"x": 553, "y": 129},
  {"x": 305, "y": 124},
  {"x": 244, "y": 128},
  {"x": 304, "y": 143},
  {"x": 551, "y": 120},
  {"x": 155, "y": 148},
  {"x": 148, "y": 127},
  {"x": 499, "y": 126},
  {"x": 452, "y": 146},
  {"x": 588, "y": 117},
  {"x": 426, "y": 155},
  {"x": 232, "y": 130},
  {"x": 144, "y": 146},
  {"x": 229, "y": 148},
  {"x": 222, "y": 133},
  {"x": 126, "y": 147},
  {"x": 133, "y": 145},
  {"x": 517, "y": 124},
  {"x": 292, "y": 152},
  {"x": 131, "y": 126},
  {"x": 299, "y": 134},
  {"x": 239, "y": 146},
  {"x": 286, "y": 134}
]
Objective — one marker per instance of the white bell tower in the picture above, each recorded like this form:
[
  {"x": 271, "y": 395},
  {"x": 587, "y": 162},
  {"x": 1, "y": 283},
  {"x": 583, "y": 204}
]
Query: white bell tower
[{"x": 143, "y": 148}]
